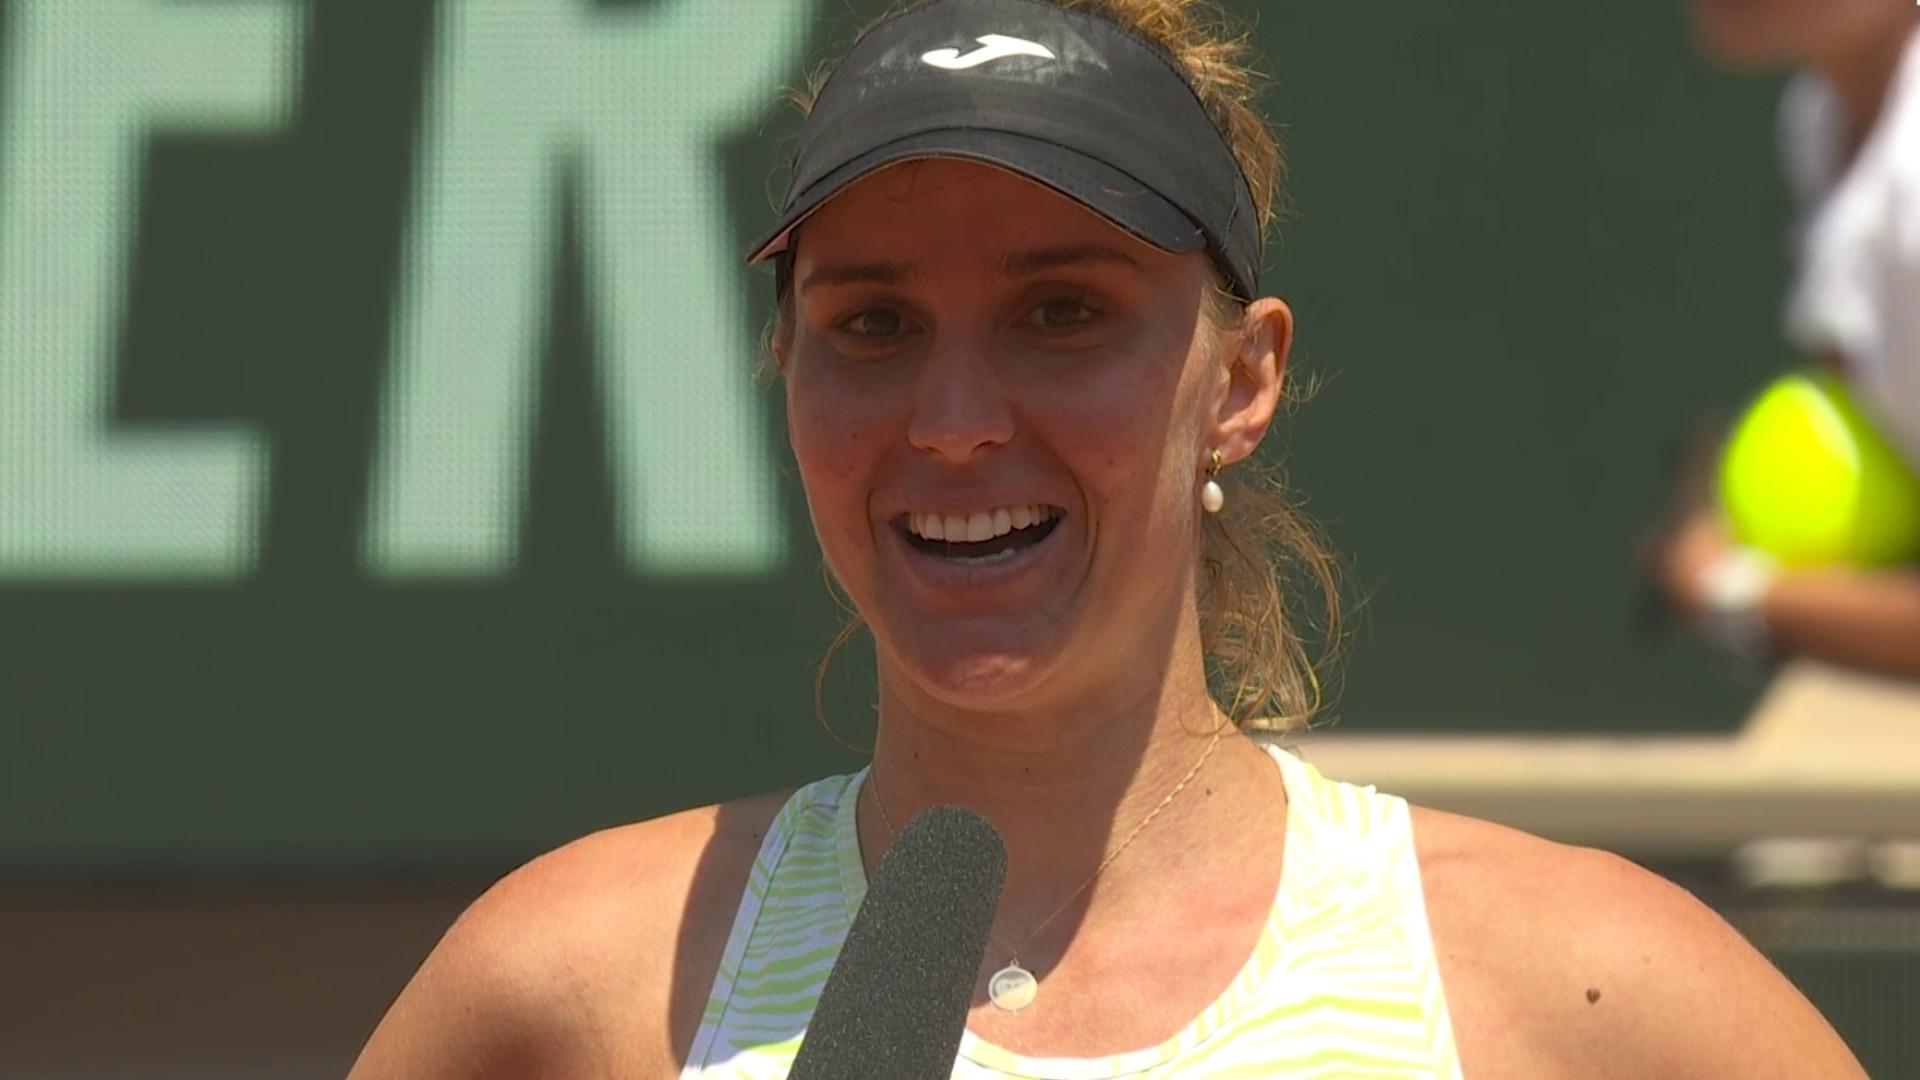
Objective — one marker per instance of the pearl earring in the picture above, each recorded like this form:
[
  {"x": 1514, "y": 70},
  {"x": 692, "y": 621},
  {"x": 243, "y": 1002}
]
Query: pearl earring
[{"x": 1211, "y": 497}]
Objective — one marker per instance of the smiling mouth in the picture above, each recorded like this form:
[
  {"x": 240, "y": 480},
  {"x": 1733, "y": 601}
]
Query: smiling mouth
[{"x": 1003, "y": 533}]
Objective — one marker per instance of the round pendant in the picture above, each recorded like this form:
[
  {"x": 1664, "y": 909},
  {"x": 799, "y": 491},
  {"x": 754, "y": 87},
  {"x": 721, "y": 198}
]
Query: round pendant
[{"x": 1013, "y": 988}]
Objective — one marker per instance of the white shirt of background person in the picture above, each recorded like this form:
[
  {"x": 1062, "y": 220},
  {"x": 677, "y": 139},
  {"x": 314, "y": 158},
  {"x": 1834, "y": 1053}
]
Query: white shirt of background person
[{"x": 1857, "y": 291}]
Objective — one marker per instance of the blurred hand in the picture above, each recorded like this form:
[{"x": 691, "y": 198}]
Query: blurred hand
[
  {"x": 1693, "y": 535},
  {"x": 1677, "y": 558}
]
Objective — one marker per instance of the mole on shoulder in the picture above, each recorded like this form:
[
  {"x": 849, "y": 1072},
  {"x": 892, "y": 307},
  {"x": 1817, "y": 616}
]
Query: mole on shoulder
[{"x": 1593, "y": 994}]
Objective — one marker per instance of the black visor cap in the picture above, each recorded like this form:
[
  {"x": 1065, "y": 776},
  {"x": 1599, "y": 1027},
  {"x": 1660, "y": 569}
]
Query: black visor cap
[{"x": 1068, "y": 100}]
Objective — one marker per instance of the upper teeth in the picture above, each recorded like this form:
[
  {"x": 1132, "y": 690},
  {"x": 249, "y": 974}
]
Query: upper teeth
[{"x": 974, "y": 528}]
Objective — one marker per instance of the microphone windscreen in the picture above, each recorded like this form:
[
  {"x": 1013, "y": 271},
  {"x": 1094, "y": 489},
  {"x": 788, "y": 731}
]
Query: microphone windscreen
[{"x": 895, "y": 1004}]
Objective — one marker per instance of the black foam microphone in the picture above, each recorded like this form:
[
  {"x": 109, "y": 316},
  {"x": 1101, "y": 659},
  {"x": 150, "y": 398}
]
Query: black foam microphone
[{"x": 895, "y": 1004}]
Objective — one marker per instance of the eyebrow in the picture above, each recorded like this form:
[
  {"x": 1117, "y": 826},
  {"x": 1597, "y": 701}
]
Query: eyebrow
[
  {"x": 1013, "y": 265},
  {"x": 871, "y": 273}
]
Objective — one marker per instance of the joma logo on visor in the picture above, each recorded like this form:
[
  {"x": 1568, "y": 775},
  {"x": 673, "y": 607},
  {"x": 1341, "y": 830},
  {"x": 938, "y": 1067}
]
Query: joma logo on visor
[{"x": 992, "y": 47}]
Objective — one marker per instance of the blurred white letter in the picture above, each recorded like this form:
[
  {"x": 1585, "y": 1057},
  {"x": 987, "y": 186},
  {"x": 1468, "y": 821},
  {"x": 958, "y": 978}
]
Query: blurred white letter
[
  {"x": 86, "y": 83},
  {"x": 635, "y": 101}
]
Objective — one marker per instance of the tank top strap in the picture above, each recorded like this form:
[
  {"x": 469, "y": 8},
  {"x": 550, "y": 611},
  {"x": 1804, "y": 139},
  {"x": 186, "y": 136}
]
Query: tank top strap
[
  {"x": 802, "y": 891},
  {"x": 1352, "y": 898}
]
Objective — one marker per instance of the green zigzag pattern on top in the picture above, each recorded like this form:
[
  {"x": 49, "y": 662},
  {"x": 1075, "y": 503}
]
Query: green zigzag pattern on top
[{"x": 1342, "y": 983}]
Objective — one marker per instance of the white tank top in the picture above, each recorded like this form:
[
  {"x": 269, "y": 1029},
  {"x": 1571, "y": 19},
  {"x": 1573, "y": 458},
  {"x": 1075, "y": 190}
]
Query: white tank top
[{"x": 1342, "y": 982}]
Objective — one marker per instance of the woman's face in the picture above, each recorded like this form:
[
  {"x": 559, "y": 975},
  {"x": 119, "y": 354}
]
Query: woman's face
[
  {"x": 1001, "y": 406},
  {"x": 1762, "y": 32}
]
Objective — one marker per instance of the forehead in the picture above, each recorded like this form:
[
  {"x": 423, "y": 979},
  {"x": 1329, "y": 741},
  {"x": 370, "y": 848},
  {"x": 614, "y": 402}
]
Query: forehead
[{"x": 955, "y": 206}]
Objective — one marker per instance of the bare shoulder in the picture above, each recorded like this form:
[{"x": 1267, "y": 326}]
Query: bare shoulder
[
  {"x": 1566, "y": 961},
  {"x": 593, "y": 959}
]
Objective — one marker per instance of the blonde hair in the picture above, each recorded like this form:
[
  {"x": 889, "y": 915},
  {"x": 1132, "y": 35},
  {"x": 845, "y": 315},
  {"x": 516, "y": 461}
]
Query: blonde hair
[{"x": 1257, "y": 655}]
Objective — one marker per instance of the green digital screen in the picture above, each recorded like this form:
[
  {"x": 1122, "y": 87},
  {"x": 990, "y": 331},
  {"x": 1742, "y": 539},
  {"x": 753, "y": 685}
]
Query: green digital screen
[{"x": 384, "y": 481}]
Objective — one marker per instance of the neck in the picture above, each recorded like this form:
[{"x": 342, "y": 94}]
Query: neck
[
  {"x": 1065, "y": 785},
  {"x": 1861, "y": 76}
]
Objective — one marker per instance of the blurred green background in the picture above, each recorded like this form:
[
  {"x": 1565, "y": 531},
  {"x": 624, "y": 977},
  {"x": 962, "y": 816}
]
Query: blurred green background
[{"x": 1530, "y": 245}]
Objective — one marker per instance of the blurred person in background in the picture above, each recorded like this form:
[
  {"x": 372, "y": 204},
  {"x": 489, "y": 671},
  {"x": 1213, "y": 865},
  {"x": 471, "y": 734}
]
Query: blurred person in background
[
  {"x": 1026, "y": 359},
  {"x": 1850, "y": 135}
]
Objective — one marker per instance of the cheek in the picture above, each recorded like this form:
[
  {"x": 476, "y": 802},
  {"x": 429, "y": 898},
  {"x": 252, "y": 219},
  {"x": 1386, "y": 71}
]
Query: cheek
[
  {"x": 1110, "y": 432},
  {"x": 1129, "y": 436},
  {"x": 827, "y": 422},
  {"x": 826, "y": 447},
  {"x": 836, "y": 437}
]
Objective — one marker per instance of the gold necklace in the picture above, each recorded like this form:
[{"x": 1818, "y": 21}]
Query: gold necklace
[{"x": 1014, "y": 987}]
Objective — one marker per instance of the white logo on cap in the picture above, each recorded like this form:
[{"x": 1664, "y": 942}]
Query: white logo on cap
[{"x": 992, "y": 47}]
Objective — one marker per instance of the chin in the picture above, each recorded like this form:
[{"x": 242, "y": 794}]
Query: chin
[{"x": 976, "y": 680}]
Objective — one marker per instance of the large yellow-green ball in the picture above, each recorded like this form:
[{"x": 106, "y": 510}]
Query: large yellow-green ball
[{"x": 1808, "y": 479}]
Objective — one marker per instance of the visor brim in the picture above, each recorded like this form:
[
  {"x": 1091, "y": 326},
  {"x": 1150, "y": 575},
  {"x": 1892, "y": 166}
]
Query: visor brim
[{"x": 1108, "y": 192}]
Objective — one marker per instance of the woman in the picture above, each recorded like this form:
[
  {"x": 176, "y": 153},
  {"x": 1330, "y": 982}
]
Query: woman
[
  {"x": 1851, "y": 136},
  {"x": 1024, "y": 351}
]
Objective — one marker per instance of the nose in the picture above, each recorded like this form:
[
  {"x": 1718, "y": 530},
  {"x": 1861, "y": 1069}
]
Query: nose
[{"x": 959, "y": 407}]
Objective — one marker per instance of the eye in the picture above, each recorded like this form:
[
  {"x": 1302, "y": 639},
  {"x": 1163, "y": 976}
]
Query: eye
[
  {"x": 876, "y": 322},
  {"x": 1061, "y": 313}
]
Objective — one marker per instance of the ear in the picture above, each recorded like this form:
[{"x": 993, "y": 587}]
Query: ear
[
  {"x": 779, "y": 343},
  {"x": 1253, "y": 376}
]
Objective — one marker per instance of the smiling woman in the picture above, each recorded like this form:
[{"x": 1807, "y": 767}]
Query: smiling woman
[
  {"x": 1023, "y": 352},
  {"x": 1023, "y": 344},
  {"x": 1259, "y": 652}
]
